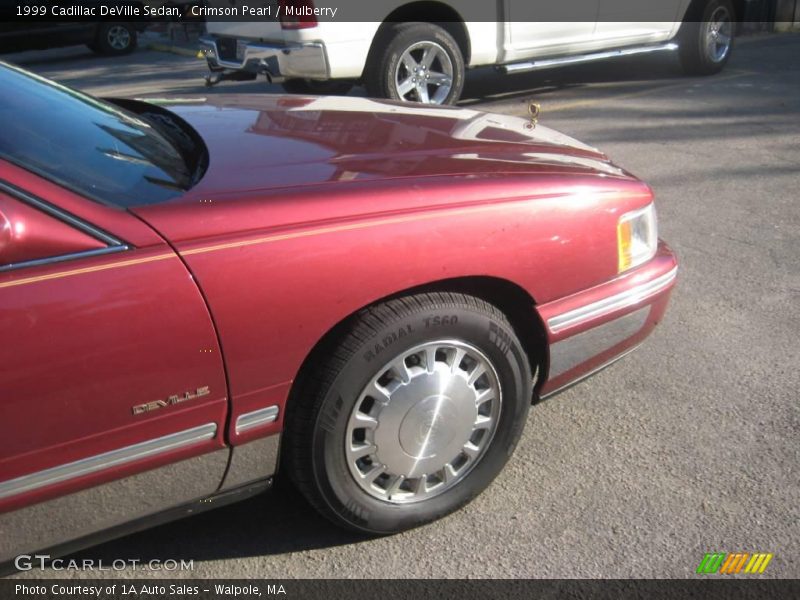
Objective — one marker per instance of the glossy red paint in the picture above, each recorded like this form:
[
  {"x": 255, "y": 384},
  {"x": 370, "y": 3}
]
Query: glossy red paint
[
  {"x": 324, "y": 209},
  {"x": 29, "y": 234},
  {"x": 310, "y": 210},
  {"x": 260, "y": 143},
  {"x": 88, "y": 339},
  {"x": 110, "y": 219}
]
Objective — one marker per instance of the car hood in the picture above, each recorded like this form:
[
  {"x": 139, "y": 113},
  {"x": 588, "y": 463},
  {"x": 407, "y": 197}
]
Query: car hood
[
  {"x": 276, "y": 161},
  {"x": 267, "y": 142}
]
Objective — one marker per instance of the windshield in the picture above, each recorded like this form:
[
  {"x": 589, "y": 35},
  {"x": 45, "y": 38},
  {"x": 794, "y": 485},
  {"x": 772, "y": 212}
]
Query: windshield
[{"x": 95, "y": 148}]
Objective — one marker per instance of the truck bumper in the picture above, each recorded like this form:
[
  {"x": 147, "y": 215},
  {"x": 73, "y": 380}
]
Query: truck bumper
[
  {"x": 591, "y": 329},
  {"x": 277, "y": 61}
]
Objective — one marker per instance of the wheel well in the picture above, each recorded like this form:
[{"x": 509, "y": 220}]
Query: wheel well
[
  {"x": 511, "y": 299},
  {"x": 696, "y": 7},
  {"x": 436, "y": 13}
]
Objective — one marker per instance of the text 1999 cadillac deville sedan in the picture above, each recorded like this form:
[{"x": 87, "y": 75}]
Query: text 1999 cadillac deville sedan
[{"x": 366, "y": 294}]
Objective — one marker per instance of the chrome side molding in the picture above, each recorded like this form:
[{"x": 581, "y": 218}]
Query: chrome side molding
[
  {"x": 253, "y": 461},
  {"x": 64, "y": 257},
  {"x": 95, "y": 510},
  {"x": 257, "y": 418},
  {"x": 114, "y": 458},
  {"x": 546, "y": 63},
  {"x": 612, "y": 303}
]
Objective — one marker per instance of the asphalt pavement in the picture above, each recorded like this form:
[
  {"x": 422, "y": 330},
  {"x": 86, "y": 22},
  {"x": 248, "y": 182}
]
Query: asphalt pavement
[{"x": 690, "y": 445}]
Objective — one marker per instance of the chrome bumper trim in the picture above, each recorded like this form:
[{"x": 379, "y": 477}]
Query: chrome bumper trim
[
  {"x": 612, "y": 303},
  {"x": 572, "y": 351},
  {"x": 257, "y": 418},
  {"x": 306, "y": 60},
  {"x": 590, "y": 373},
  {"x": 114, "y": 458}
]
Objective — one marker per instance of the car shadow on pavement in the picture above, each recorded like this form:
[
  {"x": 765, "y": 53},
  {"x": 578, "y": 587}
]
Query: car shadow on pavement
[
  {"x": 279, "y": 521},
  {"x": 486, "y": 84}
]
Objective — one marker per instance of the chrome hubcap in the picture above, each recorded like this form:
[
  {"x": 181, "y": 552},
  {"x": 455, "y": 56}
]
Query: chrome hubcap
[
  {"x": 423, "y": 422},
  {"x": 424, "y": 74},
  {"x": 118, "y": 37},
  {"x": 719, "y": 33}
]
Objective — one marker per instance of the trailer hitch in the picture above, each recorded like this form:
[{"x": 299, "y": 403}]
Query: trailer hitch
[{"x": 216, "y": 77}]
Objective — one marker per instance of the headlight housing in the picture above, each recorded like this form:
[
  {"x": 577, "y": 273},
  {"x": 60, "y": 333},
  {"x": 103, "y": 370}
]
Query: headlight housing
[{"x": 637, "y": 237}]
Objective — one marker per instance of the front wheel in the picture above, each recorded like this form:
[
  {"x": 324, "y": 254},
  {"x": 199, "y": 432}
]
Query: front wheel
[
  {"x": 706, "y": 41},
  {"x": 415, "y": 62},
  {"x": 410, "y": 414}
]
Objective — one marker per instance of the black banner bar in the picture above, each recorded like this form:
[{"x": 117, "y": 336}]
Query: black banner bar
[{"x": 353, "y": 11}]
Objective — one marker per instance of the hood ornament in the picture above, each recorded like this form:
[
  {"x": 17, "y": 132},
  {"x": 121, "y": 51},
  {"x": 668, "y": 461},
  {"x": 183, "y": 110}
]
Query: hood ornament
[{"x": 534, "y": 110}]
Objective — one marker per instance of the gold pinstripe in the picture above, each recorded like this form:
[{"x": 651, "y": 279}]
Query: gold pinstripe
[
  {"x": 340, "y": 228},
  {"x": 385, "y": 221},
  {"x": 285, "y": 236},
  {"x": 81, "y": 271}
]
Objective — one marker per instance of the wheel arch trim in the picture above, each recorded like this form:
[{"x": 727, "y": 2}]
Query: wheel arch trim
[{"x": 435, "y": 13}]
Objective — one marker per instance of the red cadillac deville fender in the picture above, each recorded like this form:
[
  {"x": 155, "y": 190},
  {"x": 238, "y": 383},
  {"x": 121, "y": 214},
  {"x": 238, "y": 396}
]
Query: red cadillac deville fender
[{"x": 377, "y": 291}]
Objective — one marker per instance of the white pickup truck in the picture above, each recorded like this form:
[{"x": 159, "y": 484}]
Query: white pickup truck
[{"x": 419, "y": 51}]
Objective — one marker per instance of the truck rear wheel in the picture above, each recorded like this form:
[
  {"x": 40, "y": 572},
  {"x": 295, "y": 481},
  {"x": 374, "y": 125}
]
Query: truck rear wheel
[{"x": 415, "y": 62}]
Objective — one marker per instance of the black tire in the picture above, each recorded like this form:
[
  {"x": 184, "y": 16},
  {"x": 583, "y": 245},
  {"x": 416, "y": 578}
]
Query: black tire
[
  {"x": 387, "y": 52},
  {"x": 697, "y": 55},
  {"x": 115, "y": 39},
  {"x": 311, "y": 87},
  {"x": 324, "y": 398}
]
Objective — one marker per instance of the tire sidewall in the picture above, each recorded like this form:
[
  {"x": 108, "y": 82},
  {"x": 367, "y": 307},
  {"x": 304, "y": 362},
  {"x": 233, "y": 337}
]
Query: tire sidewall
[
  {"x": 342, "y": 494},
  {"x": 401, "y": 38}
]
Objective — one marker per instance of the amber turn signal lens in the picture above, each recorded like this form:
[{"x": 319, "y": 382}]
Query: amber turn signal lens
[{"x": 637, "y": 237}]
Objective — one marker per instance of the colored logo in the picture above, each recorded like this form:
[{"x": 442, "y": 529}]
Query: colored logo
[{"x": 732, "y": 563}]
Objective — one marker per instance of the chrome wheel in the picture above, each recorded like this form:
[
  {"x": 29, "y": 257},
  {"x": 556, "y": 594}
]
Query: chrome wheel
[
  {"x": 424, "y": 74},
  {"x": 718, "y": 34},
  {"x": 423, "y": 422},
  {"x": 118, "y": 37}
]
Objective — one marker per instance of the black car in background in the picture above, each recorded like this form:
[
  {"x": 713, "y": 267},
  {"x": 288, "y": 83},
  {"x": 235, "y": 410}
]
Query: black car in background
[{"x": 37, "y": 33}]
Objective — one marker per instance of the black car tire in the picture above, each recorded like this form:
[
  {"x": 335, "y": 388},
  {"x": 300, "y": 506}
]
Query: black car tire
[
  {"x": 114, "y": 39},
  {"x": 384, "y": 63},
  {"x": 325, "y": 397},
  {"x": 312, "y": 87},
  {"x": 699, "y": 53}
]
